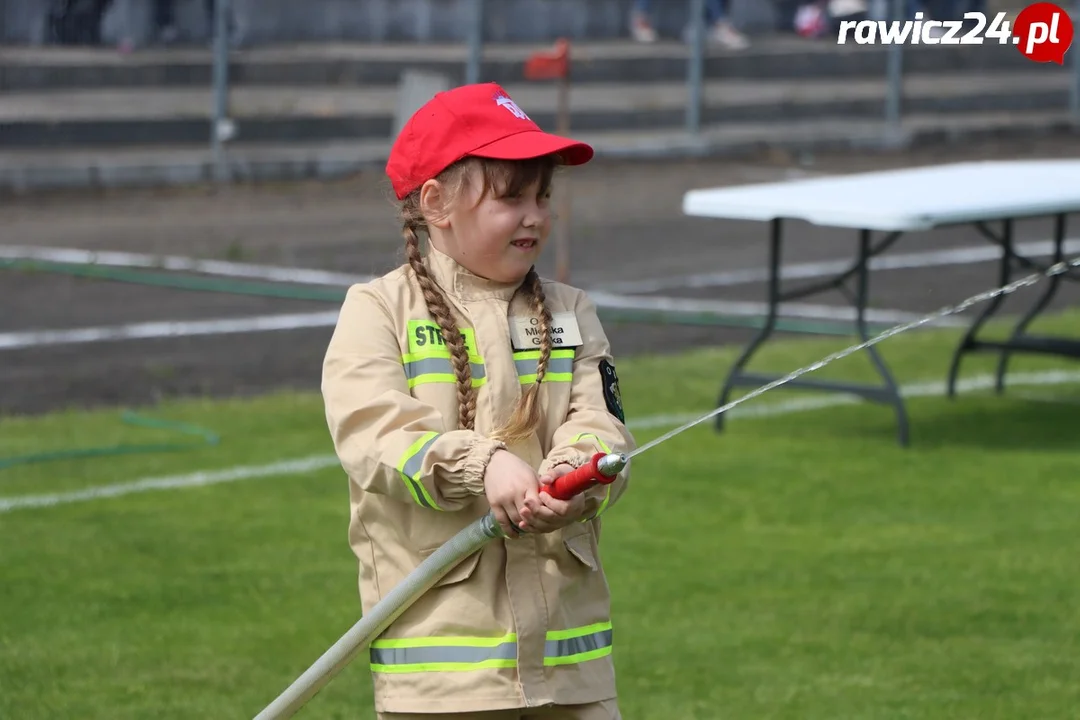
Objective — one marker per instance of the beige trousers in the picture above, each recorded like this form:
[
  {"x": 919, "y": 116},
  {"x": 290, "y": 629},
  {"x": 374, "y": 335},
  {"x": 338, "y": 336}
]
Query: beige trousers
[{"x": 606, "y": 710}]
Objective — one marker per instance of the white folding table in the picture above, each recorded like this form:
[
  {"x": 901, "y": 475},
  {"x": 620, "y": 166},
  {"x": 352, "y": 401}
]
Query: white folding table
[{"x": 896, "y": 202}]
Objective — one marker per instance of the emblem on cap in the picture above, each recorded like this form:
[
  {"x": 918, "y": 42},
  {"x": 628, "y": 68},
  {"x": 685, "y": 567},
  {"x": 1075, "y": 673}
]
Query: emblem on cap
[{"x": 503, "y": 100}]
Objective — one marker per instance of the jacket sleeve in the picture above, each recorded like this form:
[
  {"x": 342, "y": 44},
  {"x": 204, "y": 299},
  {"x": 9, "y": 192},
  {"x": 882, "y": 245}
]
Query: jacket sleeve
[
  {"x": 388, "y": 441},
  {"x": 594, "y": 420}
]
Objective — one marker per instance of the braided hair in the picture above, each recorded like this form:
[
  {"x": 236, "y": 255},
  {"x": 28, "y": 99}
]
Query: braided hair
[{"x": 508, "y": 179}]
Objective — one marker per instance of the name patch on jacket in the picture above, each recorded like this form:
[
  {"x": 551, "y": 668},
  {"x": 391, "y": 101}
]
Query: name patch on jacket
[
  {"x": 426, "y": 338},
  {"x": 612, "y": 393},
  {"x": 525, "y": 331}
]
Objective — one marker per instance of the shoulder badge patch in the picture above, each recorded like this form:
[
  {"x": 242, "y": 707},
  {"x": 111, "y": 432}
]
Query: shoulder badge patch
[{"x": 612, "y": 394}]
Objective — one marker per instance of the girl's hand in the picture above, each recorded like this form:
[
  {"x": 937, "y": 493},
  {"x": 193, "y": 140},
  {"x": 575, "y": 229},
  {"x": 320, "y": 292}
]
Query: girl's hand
[
  {"x": 544, "y": 513},
  {"x": 509, "y": 484}
]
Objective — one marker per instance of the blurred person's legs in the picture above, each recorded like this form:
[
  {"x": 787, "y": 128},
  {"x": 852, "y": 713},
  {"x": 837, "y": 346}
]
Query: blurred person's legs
[
  {"x": 233, "y": 29},
  {"x": 165, "y": 21},
  {"x": 99, "y": 8},
  {"x": 211, "y": 18},
  {"x": 945, "y": 9},
  {"x": 76, "y": 22},
  {"x": 917, "y": 6},
  {"x": 641, "y": 27},
  {"x": 721, "y": 29},
  {"x": 957, "y": 8}
]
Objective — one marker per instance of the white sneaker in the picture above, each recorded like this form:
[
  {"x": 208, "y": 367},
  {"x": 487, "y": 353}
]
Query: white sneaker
[
  {"x": 725, "y": 34},
  {"x": 641, "y": 29}
]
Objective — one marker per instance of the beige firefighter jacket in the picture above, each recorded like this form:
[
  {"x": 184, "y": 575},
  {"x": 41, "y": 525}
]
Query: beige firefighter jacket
[{"x": 522, "y": 622}]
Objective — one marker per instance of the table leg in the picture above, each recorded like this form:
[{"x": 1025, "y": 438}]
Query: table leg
[
  {"x": 861, "y": 301},
  {"x": 969, "y": 341},
  {"x": 1019, "y": 340},
  {"x": 1048, "y": 294},
  {"x": 889, "y": 393},
  {"x": 775, "y": 239}
]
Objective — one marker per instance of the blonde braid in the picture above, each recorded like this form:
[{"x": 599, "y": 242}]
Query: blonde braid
[
  {"x": 452, "y": 337},
  {"x": 526, "y": 415},
  {"x": 539, "y": 306}
]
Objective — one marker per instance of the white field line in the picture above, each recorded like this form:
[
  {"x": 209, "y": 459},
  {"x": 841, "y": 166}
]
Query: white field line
[
  {"x": 185, "y": 264},
  {"x": 320, "y": 462},
  {"x": 22, "y": 339},
  {"x": 197, "y": 479},
  {"x": 903, "y": 261},
  {"x": 804, "y": 311},
  {"x": 1046, "y": 399},
  {"x": 167, "y": 329},
  {"x": 803, "y": 271},
  {"x": 916, "y": 390}
]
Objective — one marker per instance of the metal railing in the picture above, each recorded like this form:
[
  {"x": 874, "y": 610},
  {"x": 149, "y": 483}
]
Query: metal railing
[{"x": 695, "y": 77}]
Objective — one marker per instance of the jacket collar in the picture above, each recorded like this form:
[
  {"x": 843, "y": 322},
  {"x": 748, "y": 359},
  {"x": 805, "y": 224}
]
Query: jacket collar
[{"x": 463, "y": 284}]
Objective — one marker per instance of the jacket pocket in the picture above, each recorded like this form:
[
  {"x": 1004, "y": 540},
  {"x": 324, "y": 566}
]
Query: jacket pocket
[
  {"x": 581, "y": 543},
  {"x": 462, "y": 571}
]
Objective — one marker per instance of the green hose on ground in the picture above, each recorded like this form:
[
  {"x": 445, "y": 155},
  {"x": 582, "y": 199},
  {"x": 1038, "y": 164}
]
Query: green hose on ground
[
  {"x": 337, "y": 295},
  {"x": 207, "y": 438}
]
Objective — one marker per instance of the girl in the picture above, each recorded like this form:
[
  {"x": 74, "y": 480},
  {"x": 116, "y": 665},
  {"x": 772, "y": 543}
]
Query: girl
[{"x": 458, "y": 384}]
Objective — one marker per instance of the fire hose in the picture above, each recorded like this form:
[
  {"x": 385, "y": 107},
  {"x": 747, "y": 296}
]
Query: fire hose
[{"x": 601, "y": 469}]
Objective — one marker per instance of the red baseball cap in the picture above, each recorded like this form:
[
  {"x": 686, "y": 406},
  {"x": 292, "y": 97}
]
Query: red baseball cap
[{"x": 471, "y": 120}]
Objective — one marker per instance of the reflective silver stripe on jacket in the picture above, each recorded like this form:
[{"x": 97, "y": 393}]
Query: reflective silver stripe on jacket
[
  {"x": 412, "y": 465},
  {"x": 438, "y": 370},
  {"x": 574, "y": 646},
  {"x": 443, "y": 654},
  {"x": 424, "y": 655},
  {"x": 556, "y": 366}
]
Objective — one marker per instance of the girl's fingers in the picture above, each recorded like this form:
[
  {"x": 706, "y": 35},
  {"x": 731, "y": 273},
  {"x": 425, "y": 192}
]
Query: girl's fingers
[
  {"x": 512, "y": 514},
  {"x": 527, "y": 518},
  {"x": 546, "y": 513},
  {"x": 541, "y": 514},
  {"x": 541, "y": 524},
  {"x": 532, "y": 497},
  {"x": 504, "y": 521},
  {"x": 559, "y": 507},
  {"x": 541, "y": 517}
]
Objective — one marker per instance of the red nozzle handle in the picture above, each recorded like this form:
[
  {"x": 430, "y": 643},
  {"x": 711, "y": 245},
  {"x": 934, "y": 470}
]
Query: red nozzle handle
[{"x": 578, "y": 481}]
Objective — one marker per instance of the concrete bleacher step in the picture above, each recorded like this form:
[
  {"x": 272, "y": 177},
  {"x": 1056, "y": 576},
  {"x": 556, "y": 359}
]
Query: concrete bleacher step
[
  {"x": 50, "y": 169},
  {"x": 770, "y": 58},
  {"x": 180, "y": 116}
]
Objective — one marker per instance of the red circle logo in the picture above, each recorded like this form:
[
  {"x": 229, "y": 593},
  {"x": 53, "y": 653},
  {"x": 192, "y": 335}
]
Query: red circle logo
[{"x": 1043, "y": 33}]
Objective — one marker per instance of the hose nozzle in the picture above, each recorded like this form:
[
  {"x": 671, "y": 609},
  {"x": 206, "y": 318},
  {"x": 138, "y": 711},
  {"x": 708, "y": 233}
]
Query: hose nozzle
[
  {"x": 612, "y": 464},
  {"x": 600, "y": 470}
]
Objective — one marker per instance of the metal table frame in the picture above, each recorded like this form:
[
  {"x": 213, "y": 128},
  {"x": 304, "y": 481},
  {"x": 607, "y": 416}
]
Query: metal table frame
[
  {"x": 1019, "y": 338},
  {"x": 888, "y": 391}
]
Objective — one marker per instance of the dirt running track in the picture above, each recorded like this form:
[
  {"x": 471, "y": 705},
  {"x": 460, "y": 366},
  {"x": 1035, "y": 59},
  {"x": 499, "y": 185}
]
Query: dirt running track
[{"x": 626, "y": 225}]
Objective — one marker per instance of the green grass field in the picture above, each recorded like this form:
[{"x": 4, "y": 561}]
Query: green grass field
[{"x": 798, "y": 565}]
